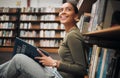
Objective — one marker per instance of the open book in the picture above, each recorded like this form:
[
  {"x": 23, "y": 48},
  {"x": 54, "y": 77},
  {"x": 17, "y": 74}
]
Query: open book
[{"x": 23, "y": 47}]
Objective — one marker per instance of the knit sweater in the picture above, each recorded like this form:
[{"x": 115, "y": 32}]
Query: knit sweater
[{"x": 72, "y": 55}]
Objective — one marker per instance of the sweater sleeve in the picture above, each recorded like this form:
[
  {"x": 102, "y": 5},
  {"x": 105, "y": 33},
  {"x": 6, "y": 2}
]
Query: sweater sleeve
[{"x": 74, "y": 43}]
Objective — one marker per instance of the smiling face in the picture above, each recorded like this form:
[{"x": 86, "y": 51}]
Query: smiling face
[{"x": 67, "y": 14}]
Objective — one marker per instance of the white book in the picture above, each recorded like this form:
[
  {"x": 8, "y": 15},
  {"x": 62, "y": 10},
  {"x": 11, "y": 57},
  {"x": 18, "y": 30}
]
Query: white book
[
  {"x": 92, "y": 61},
  {"x": 103, "y": 62},
  {"x": 97, "y": 52}
]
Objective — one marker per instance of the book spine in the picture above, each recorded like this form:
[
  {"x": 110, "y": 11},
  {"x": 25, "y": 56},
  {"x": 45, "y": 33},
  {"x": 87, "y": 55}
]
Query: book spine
[{"x": 103, "y": 62}]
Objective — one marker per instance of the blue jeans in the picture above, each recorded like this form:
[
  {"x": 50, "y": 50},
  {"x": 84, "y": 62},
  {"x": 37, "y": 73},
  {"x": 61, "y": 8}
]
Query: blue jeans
[{"x": 22, "y": 64}]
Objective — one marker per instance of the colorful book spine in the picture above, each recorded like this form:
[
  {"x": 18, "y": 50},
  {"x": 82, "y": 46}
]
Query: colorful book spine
[{"x": 99, "y": 64}]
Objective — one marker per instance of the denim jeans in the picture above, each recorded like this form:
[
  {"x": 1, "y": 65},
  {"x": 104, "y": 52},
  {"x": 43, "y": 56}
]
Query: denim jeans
[{"x": 22, "y": 64}]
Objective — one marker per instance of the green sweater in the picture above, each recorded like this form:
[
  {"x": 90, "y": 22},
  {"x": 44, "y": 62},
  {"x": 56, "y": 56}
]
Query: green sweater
[{"x": 72, "y": 55}]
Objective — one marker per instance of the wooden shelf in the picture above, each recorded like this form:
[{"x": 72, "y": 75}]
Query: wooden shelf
[
  {"x": 108, "y": 38},
  {"x": 109, "y": 33},
  {"x": 42, "y": 38},
  {"x": 38, "y": 21},
  {"x": 2, "y": 21},
  {"x": 10, "y": 49},
  {"x": 8, "y": 13},
  {"x": 7, "y": 37},
  {"x": 6, "y": 49},
  {"x": 7, "y": 29},
  {"x": 51, "y": 50},
  {"x": 31, "y": 29}
]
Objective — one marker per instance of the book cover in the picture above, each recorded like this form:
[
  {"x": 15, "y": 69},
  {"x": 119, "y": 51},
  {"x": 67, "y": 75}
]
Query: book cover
[{"x": 25, "y": 48}]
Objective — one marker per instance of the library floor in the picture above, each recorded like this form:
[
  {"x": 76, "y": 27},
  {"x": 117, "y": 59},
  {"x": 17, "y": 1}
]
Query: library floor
[{"x": 5, "y": 56}]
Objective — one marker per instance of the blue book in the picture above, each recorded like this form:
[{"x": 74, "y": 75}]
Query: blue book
[
  {"x": 23, "y": 47},
  {"x": 110, "y": 54},
  {"x": 99, "y": 64},
  {"x": 106, "y": 64}
]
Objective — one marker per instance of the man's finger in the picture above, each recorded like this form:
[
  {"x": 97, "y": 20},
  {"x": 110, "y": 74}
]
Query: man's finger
[{"x": 40, "y": 52}]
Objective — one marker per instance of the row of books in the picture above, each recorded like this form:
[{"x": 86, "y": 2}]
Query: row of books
[
  {"x": 5, "y": 33},
  {"x": 83, "y": 24},
  {"x": 40, "y": 26},
  {"x": 7, "y": 17},
  {"x": 36, "y": 17},
  {"x": 94, "y": 17},
  {"x": 29, "y": 17},
  {"x": 50, "y": 43},
  {"x": 5, "y": 42},
  {"x": 92, "y": 21},
  {"x": 42, "y": 9},
  {"x": 7, "y": 25},
  {"x": 7, "y": 9},
  {"x": 50, "y": 26},
  {"x": 39, "y": 43},
  {"x": 103, "y": 63},
  {"x": 29, "y": 9},
  {"x": 42, "y": 33}
]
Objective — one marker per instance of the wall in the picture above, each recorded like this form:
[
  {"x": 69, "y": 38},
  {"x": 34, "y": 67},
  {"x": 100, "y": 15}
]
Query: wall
[
  {"x": 34, "y": 3},
  {"x": 46, "y": 3},
  {"x": 12, "y": 3}
]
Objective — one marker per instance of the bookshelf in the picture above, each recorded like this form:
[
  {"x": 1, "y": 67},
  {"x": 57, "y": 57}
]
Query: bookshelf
[
  {"x": 39, "y": 27},
  {"x": 8, "y": 27},
  {"x": 108, "y": 41},
  {"x": 107, "y": 37},
  {"x": 85, "y": 6},
  {"x": 103, "y": 63}
]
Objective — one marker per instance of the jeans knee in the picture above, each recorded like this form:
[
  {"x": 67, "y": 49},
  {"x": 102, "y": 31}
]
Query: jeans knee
[{"x": 19, "y": 57}]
